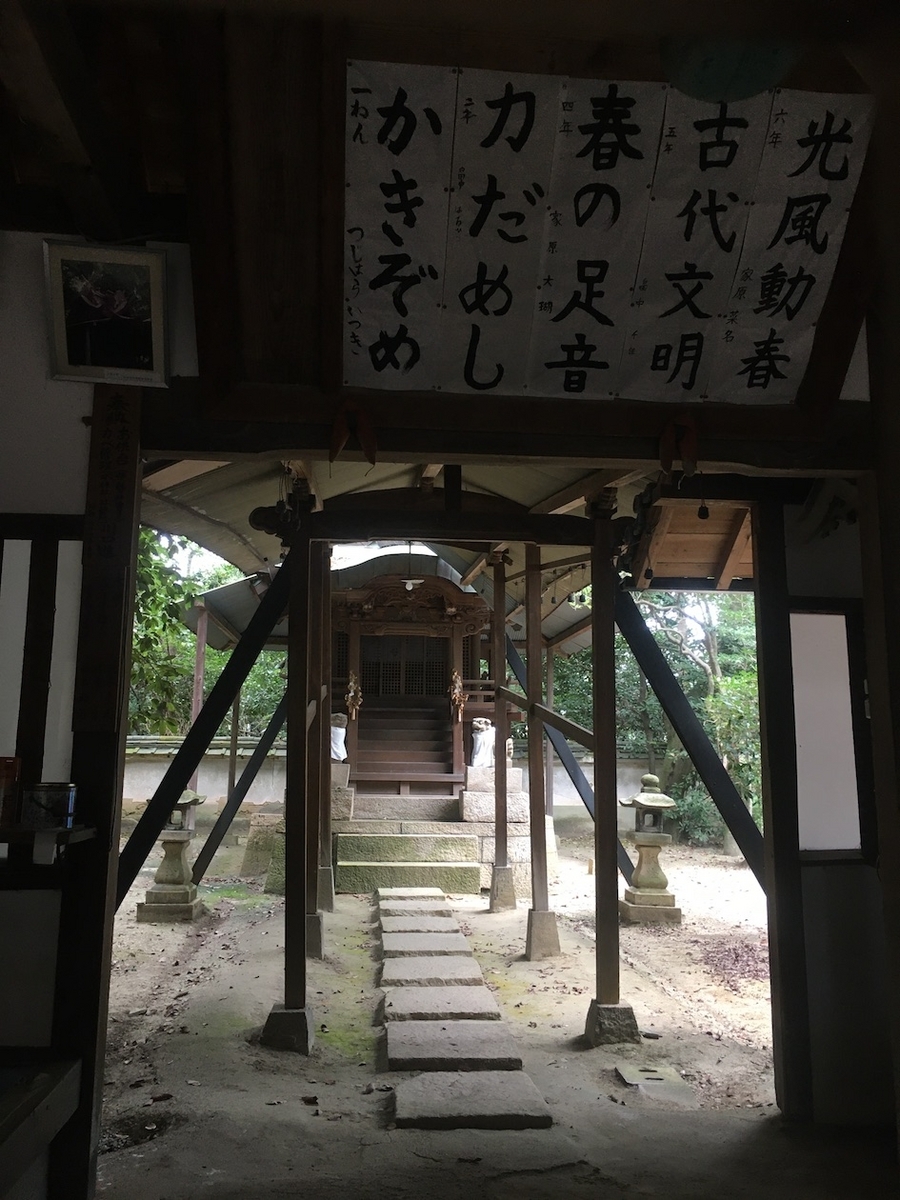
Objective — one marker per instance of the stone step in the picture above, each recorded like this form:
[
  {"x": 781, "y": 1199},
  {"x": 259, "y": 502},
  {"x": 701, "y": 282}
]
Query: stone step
[
  {"x": 470, "y": 1100},
  {"x": 408, "y": 909},
  {"x": 375, "y": 806},
  {"x": 409, "y": 893},
  {"x": 418, "y": 923},
  {"x": 451, "y": 1046},
  {"x": 440, "y": 1004},
  {"x": 406, "y": 848},
  {"x": 457, "y": 877},
  {"x": 416, "y": 945},
  {"x": 435, "y": 970}
]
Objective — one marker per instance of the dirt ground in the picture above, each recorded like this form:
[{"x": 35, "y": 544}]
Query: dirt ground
[{"x": 195, "y": 1107}]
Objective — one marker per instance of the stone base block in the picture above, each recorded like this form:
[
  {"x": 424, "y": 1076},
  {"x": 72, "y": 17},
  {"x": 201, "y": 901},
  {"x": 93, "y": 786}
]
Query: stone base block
[
  {"x": 479, "y": 806},
  {"x": 648, "y": 914},
  {"x": 325, "y": 889},
  {"x": 481, "y": 779},
  {"x": 315, "y": 935},
  {"x": 340, "y": 774},
  {"x": 659, "y": 898},
  {"x": 418, "y": 923},
  {"x": 258, "y": 850},
  {"x": 433, "y": 970},
  {"x": 464, "y": 878},
  {"x": 406, "y": 848},
  {"x": 288, "y": 1029},
  {"x": 341, "y": 802},
  {"x": 409, "y": 893},
  {"x": 165, "y": 914},
  {"x": 610, "y": 1024},
  {"x": 503, "y": 889},
  {"x": 542, "y": 938}
]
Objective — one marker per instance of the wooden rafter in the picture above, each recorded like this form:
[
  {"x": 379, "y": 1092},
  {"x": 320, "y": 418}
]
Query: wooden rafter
[
  {"x": 649, "y": 545},
  {"x": 481, "y": 562},
  {"x": 574, "y": 494},
  {"x": 733, "y": 549}
]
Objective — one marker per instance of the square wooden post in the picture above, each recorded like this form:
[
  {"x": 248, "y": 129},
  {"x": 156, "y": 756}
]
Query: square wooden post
[
  {"x": 542, "y": 938},
  {"x": 289, "y": 1025},
  {"x": 503, "y": 886},
  {"x": 326, "y": 867}
]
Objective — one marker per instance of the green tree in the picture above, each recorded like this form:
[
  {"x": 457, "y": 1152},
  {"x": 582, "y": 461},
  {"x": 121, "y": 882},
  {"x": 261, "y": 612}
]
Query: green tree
[{"x": 160, "y": 690}]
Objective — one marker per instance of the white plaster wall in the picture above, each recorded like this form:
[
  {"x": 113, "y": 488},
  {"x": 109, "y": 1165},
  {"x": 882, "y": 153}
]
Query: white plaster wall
[
  {"x": 13, "y": 613},
  {"x": 44, "y": 441}
]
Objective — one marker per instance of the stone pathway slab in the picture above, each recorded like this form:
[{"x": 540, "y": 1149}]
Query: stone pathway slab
[
  {"x": 436, "y": 970},
  {"x": 417, "y": 945},
  {"x": 451, "y": 1046},
  {"x": 404, "y": 908},
  {"x": 409, "y": 893},
  {"x": 440, "y": 1004},
  {"x": 419, "y": 923},
  {"x": 471, "y": 1100}
]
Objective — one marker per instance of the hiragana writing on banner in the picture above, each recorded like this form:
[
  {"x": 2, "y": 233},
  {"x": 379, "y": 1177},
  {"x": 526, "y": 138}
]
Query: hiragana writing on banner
[
  {"x": 399, "y": 125},
  {"x": 606, "y": 141},
  {"x": 523, "y": 234}
]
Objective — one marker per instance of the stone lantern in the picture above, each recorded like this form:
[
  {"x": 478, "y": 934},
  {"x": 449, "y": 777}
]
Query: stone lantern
[
  {"x": 648, "y": 899},
  {"x": 173, "y": 896}
]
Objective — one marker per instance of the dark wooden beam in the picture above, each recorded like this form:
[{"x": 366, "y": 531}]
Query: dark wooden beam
[
  {"x": 43, "y": 70},
  {"x": 603, "y": 700},
  {"x": 295, "y": 808},
  {"x": 540, "y": 887},
  {"x": 733, "y": 550},
  {"x": 368, "y": 525},
  {"x": 575, "y": 494},
  {"x": 691, "y": 733},
  {"x": 99, "y": 719},
  {"x": 501, "y": 717},
  {"x": 642, "y": 568},
  {"x": 36, "y": 659},
  {"x": 784, "y": 890}
]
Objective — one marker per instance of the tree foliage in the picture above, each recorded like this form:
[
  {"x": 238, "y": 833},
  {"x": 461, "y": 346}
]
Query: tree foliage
[
  {"x": 163, "y": 648},
  {"x": 709, "y": 642}
]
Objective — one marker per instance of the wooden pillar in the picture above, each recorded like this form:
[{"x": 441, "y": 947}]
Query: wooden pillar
[
  {"x": 784, "y": 895},
  {"x": 326, "y": 868},
  {"x": 315, "y": 765},
  {"x": 875, "y": 59},
  {"x": 503, "y": 886},
  {"x": 550, "y": 657},
  {"x": 99, "y": 723},
  {"x": 456, "y": 664},
  {"x": 354, "y": 667},
  {"x": 608, "y": 1020},
  {"x": 199, "y": 676},
  {"x": 233, "y": 742},
  {"x": 288, "y": 1026},
  {"x": 543, "y": 939},
  {"x": 606, "y": 833}
]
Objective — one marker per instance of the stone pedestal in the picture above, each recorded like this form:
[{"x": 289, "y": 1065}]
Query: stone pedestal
[
  {"x": 315, "y": 935},
  {"x": 341, "y": 802},
  {"x": 609, "y": 1024},
  {"x": 288, "y": 1029},
  {"x": 173, "y": 896},
  {"x": 340, "y": 774},
  {"x": 542, "y": 938},
  {"x": 648, "y": 900},
  {"x": 503, "y": 889},
  {"x": 325, "y": 889}
]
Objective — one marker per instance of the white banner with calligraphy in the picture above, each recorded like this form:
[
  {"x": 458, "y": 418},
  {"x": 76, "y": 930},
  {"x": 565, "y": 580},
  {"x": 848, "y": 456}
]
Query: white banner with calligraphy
[{"x": 524, "y": 234}]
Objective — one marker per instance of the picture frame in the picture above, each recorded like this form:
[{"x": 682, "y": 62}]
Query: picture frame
[{"x": 107, "y": 309}]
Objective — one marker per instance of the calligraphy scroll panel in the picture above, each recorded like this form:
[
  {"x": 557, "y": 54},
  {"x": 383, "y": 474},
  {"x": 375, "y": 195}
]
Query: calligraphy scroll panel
[
  {"x": 709, "y": 158},
  {"x": 815, "y": 145},
  {"x": 502, "y": 161},
  {"x": 400, "y": 122},
  {"x": 607, "y": 136}
]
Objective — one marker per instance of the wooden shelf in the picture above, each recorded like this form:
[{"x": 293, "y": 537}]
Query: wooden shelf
[{"x": 17, "y": 835}]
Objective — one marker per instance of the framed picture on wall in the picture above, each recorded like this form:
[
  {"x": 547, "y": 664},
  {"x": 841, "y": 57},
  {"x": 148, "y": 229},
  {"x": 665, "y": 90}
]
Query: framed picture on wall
[{"x": 107, "y": 313}]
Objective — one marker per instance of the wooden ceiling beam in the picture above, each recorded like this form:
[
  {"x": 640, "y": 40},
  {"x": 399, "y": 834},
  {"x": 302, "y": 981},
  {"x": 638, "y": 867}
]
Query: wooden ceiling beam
[
  {"x": 62, "y": 128},
  {"x": 574, "y": 494},
  {"x": 481, "y": 562},
  {"x": 650, "y": 543},
  {"x": 733, "y": 550}
]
